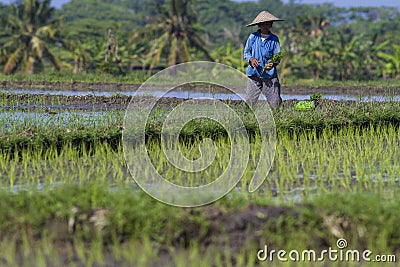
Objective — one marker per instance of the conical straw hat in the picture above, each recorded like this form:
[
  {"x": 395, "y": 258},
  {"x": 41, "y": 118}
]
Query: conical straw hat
[{"x": 263, "y": 17}]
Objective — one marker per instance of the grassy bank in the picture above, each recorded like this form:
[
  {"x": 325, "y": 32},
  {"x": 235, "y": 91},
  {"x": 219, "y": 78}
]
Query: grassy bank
[
  {"x": 93, "y": 226},
  {"x": 45, "y": 127},
  {"x": 347, "y": 83},
  {"x": 133, "y": 77}
]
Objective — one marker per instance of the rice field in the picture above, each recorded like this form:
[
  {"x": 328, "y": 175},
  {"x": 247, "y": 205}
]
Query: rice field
[
  {"x": 68, "y": 198},
  {"x": 352, "y": 160}
]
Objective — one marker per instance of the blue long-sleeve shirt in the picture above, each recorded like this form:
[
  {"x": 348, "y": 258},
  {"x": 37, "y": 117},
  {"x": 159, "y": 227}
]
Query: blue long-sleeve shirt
[{"x": 262, "y": 51}]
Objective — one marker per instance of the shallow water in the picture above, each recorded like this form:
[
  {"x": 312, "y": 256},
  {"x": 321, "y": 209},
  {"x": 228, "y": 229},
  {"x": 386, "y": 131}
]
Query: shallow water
[
  {"x": 226, "y": 95},
  {"x": 11, "y": 119},
  {"x": 295, "y": 195}
]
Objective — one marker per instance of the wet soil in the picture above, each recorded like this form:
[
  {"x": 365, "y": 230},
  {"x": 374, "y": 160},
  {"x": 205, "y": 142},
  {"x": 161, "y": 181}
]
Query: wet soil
[
  {"x": 114, "y": 86},
  {"x": 91, "y": 102},
  {"x": 86, "y": 102},
  {"x": 30, "y": 102}
]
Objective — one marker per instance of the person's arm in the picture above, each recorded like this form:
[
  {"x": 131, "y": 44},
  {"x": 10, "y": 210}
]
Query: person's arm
[{"x": 247, "y": 53}]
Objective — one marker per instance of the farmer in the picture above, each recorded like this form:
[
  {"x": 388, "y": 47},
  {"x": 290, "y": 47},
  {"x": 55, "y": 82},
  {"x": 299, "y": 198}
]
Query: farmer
[{"x": 260, "y": 47}]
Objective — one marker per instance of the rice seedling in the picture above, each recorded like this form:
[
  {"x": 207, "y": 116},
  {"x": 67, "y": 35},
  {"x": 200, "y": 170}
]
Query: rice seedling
[
  {"x": 352, "y": 160},
  {"x": 336, "y": 171}
]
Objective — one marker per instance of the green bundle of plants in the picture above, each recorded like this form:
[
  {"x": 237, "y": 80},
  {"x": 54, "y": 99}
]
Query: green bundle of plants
[
  {"x": 276, "y": 58},
  {"x": 304, "y": 105},
  {"x": 316, "y": 97},
  {"x": 308, "y": 104}
]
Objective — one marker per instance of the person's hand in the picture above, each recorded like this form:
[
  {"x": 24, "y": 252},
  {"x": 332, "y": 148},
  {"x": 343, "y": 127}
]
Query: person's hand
[
  {"x": 269, "y": 66},
  {"x": 254, "y": 62}
]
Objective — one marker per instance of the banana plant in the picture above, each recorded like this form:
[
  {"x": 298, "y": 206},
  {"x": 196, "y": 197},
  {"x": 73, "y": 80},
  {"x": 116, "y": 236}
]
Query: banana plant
[
  {"x": 369, "y": 58},
  {"x": 315, "y": 57},
  {"x": 391, "y": 67},
  {"x": 229, "y": 55},
  {"x": 344, "y": 55}
]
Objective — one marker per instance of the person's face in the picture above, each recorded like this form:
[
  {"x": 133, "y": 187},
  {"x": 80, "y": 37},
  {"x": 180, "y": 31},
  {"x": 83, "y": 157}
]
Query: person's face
[{"x": 265, "y": 26}]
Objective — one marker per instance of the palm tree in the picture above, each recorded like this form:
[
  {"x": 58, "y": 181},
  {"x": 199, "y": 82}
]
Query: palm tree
[
  {"x": 177, "y": 32},
  {"x": 30, "y": 29}
]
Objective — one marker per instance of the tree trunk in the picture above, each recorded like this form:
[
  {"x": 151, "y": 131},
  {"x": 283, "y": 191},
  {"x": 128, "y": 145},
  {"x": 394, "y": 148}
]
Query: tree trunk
[
  {"x": 76, "y": 67},
  {"x": 30, "y": 66}
]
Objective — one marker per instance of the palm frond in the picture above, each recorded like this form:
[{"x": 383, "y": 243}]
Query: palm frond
[
  {"x": 13, "y": 61},
  {"x": 55, "y": 61},
  {"x": 37, "y": 46},
  {"x": 200, "y": 45},
  {"x": 13, "y": 22},
  {"x": 47, "y": 31},
  {"x": 185, "y": 52},
  {"x": 157, "y": 49},
  {"x": 173, "y": 51},
  {"x": 44, "y": 11}
]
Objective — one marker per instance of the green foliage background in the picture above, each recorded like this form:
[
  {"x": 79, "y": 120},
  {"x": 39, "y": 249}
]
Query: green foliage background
[{"x": 324, "y": 41}]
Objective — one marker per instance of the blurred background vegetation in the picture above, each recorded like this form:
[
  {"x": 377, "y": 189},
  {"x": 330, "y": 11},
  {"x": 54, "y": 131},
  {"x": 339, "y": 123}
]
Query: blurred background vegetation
[{"x": 119, "y": 37}]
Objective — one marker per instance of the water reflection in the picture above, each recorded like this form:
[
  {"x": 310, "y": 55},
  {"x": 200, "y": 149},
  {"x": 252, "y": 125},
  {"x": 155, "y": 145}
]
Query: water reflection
[
  {"x": 9, "y": 120},
  {"x": 224, "y": 95}
]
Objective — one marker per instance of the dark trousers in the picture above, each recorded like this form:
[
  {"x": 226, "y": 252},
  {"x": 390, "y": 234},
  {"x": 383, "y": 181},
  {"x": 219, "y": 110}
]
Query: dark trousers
[{"x": 271, "y": 88}]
